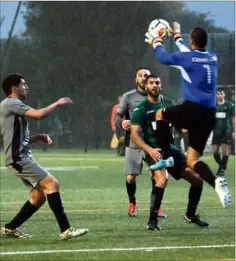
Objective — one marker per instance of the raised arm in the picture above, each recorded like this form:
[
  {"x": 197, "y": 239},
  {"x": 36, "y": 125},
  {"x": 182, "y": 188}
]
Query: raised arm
[
  {"x": 44, "y": 112},
  {"x": 167, "y": 58}
]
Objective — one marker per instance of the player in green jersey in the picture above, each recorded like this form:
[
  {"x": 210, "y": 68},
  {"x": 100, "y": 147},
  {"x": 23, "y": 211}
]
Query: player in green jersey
[
  {"x": 223, "y": 131},
  {"x": 143, "y": 134}
]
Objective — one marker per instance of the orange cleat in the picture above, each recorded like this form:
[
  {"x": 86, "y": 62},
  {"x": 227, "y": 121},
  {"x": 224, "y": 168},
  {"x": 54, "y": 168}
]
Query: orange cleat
[
  {"x": 132, "y": 211},
  {"x": 161, "y": 214}
]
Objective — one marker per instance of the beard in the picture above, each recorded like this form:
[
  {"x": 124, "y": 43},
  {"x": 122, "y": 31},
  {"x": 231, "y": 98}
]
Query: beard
[
  {"x": 141, "y": 86},
  {"x": 153, "y": 95}
]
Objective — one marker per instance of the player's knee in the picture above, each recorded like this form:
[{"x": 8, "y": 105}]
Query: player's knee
[
  {"x": 50, "y": 184},
  {"x": 190, "y": 162},
  {"x": 37, "y": 197},
  {"x": 225, "y": 149},
  {"x": 130, "y": 178},
  {"x": 161, "y": 179},
  {"x": 215, "y": 149}
]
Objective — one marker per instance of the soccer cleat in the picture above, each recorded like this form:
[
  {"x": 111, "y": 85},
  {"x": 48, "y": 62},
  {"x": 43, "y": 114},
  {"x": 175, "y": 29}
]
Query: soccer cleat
[
  {"x": 222, "y": 191},
  {"x": 162, "y": 164},
  {"x": 196, "y": 220},
  {"x": 161, "y": 214},
  {"x": 14, "y": 233},
  {"x": 152, "y": 225},
  {"x": 73, "y": 233},
  {"x": 132, "y": 211}
]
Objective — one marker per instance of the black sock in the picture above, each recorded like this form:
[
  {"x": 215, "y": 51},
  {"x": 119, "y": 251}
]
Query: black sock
[
  {"x": 224, "y": 162},
  {"x": 156, "y": 199},
  {"x": 163, "y": 133},
  {"x": 131, "y": 190},
  {"x": 54, "y": 202},
  {"x": 217, "y": 158},
  {"x": 24, "y": 214},
  {"x": 205, "y": 173},
  {"x": 194, "y": 196}
]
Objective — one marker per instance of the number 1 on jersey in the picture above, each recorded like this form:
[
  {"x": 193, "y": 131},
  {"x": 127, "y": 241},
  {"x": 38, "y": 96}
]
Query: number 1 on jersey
[{"x": 208, "y": 69}]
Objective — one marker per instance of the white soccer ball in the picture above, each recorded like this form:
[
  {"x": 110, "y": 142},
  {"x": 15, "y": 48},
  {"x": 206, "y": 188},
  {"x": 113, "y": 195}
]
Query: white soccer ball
[{"x": 159, "y": 27}]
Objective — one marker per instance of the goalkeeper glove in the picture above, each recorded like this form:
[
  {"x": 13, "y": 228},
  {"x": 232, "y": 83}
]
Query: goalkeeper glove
[
  {"x": 176, "y": 32},
  {"x": 153, "y": 38}
]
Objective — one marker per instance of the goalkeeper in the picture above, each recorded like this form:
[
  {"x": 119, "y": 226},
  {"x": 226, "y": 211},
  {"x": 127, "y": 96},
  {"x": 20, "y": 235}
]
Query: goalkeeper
[{"x": 197, "y": 114}]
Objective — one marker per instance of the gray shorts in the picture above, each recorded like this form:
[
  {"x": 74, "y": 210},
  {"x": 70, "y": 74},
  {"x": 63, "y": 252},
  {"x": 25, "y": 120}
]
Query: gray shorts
[
  {"x": 134, "y": 161},
  {"x": 32, "y": 175}
]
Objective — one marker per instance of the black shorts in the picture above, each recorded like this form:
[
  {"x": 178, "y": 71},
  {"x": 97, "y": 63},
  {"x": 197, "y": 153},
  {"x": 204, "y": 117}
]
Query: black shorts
[
  {"x": 198, "y": 120},
  {"x": 180, "y": 162},
  {"x": 221, "y": 138}
]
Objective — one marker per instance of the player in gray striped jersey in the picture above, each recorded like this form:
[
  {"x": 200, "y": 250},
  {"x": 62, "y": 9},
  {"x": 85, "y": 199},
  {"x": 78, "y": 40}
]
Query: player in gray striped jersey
[
  {"x": 18, "y": 157},
  {"x": 133, "y": 155}
]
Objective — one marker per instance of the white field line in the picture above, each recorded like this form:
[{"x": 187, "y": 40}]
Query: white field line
[
  {"x": 68, "y": 168},
  {"x": 111, "y": 249},
  {"x": 81, "y": 159},
  {"x": 105, "y": 158}
]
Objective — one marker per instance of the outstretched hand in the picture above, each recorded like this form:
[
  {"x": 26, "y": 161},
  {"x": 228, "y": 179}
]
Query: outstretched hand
[{"x": 63, "y": 101}]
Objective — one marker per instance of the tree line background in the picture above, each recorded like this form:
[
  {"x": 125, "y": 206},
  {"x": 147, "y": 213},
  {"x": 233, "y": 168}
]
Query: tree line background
[{"x": 90, "y": 52}]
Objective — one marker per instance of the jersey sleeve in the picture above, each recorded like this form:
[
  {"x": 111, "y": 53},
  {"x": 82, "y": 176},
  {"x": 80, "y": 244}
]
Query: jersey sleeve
[
  {"x": 123, "y": 106},
  {"x": 174, "y": 59},
  {"x": 137, "y": 116},
  {"x": 181, "y": 45},
  {"x": 18, "y": 107}
]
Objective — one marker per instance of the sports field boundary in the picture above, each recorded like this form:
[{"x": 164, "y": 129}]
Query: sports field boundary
[{"x": 113, "y": 249}]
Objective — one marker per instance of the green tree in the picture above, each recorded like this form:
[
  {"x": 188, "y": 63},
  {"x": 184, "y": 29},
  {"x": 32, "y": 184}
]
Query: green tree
[{"x": 90, "y": 51}]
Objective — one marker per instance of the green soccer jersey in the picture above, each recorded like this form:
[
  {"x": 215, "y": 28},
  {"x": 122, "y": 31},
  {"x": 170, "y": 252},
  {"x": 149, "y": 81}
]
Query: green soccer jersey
[
  {"x": 224, "y": 115},
  {"x": 144, "y": 116}
]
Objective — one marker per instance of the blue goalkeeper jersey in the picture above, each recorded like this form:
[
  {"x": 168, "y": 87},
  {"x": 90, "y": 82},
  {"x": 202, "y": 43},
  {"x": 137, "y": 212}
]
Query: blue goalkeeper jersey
[{"x": 198, "y": 70}]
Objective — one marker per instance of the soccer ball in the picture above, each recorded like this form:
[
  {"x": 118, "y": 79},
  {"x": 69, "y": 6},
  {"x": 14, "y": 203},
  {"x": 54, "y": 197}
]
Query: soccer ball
[{"x": 159, "y": 27}]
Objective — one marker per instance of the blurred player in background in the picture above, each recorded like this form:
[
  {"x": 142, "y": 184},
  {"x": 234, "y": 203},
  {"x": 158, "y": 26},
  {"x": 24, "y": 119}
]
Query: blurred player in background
[
  {"x": 223, "y": 131},
  {"x": 116, "y": 143},
  {"x": 133, "y": 155},
  {"x": 18, "y": 158},
  {"x": 143, "y": 121},
  {"x": 197, "y": 113},
  {"x": 232, "y": 146}
]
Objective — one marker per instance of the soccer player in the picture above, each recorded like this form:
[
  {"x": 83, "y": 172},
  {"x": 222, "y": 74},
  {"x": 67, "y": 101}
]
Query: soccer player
[
  {"x": 222, "y": 132},
  {"x": 197, "y": 114},
  {"x": 133, "y": 155},
  {"x": 18, "y": 158},
  {"x": 143, "y": 121}
]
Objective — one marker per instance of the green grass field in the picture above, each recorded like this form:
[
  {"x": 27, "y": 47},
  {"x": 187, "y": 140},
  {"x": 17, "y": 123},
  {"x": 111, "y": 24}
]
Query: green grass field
[{"x": 94, "y": 195}]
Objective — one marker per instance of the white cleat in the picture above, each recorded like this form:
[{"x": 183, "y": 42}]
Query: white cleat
[
  {"x": 16, "y": 233},
  {"x": 73, "y": 233},
  {"x": 222, "y": 191}
]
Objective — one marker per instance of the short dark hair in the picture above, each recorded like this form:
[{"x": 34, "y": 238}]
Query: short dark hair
[
  {"x": 150, "y": 76},
  {"x": 142, "y": 68},
  {"x": 220, "y": 90},
  {"x": 199, "y": 37},
  {"x": 11, "y": 80}
]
